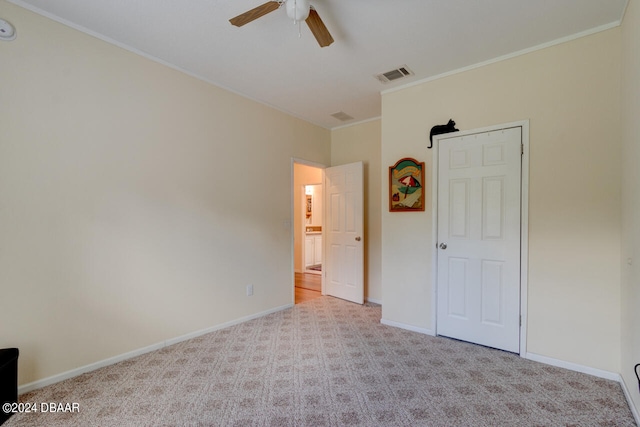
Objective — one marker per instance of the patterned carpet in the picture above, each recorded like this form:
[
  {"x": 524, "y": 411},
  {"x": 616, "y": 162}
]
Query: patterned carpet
[{"x": 330, "y": 363}]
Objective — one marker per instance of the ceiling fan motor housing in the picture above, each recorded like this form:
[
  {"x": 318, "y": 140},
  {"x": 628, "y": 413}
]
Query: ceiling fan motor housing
[{"x": 298, "y": 10}]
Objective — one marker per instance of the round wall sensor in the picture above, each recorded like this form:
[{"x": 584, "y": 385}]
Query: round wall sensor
[{"x": 7, "y": 31}]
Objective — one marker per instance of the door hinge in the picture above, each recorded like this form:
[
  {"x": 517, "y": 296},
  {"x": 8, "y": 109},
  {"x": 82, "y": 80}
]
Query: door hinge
[
  {"x": 520, "y": 320},
  {"x": 521, "y": 149}
]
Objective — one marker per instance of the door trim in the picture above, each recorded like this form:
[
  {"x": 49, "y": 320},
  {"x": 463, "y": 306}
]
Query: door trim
[{"x": 524, "y": 222}]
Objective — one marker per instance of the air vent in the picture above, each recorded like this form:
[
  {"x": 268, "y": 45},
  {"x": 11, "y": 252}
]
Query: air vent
[
  {"x": 342, "y": 116},
  {"x": 399, "y": 73}
]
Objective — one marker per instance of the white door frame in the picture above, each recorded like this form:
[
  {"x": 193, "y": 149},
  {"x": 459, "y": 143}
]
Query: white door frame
[{"x": 524, "y": 222}]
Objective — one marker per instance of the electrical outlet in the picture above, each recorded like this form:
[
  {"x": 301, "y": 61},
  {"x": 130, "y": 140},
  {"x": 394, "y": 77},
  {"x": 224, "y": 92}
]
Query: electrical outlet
[{"x": 249, "y": 290}]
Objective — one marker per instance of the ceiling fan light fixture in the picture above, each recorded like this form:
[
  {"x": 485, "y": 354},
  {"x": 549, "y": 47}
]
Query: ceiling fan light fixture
[{"x": 298, "y": 10}]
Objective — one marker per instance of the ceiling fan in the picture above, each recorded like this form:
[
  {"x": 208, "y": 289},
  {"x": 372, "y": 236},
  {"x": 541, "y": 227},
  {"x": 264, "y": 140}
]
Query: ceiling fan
[{"x": 298, "y": 10}]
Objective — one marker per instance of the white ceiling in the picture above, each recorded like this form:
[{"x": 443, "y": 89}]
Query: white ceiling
[{"x": 266, "y": 60}]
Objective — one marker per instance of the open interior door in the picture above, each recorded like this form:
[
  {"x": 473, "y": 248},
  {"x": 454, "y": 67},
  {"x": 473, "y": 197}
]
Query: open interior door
[{"x": 343, "y": 232}]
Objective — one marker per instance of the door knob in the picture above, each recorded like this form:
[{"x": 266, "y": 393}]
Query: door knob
[
  {"x": 358, "y": 239},
  {"x": 443, "y": 246}
]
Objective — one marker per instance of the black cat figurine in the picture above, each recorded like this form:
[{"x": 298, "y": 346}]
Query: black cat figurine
[{"x": 440, "y": 129}]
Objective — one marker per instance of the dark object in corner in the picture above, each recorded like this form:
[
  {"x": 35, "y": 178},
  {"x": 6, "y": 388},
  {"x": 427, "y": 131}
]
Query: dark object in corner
[
  {"x": 635, "y": 368},
  {"x": 8, "y": 380},
  {"x": 440, "y": 129}
]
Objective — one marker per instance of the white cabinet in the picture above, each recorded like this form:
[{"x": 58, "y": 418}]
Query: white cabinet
[
  {"x": 317, "y": 252},
  {"x": 312, "y": 250},
  {"x": 309, "y": 249}
]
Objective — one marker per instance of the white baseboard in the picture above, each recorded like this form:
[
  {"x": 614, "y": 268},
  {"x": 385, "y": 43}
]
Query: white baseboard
[
  {"x": 131, "y": 354},
  {"x": 632, "y": 406},
  {"x": 87, "y": 368},
  {"x": 613, "y": 376},
  {"x": 375, "y": 301},
  {"x": 225, "y": 325},
  {"x": 408, "y": 327}
]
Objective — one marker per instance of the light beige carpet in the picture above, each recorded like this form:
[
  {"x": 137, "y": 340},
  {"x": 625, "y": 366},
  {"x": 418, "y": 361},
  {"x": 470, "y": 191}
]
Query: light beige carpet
[{"x": 330, "y": 363}]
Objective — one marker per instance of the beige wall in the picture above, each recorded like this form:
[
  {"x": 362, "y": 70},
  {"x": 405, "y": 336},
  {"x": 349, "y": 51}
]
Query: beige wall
[
  {"x": 132, "y": 200},
  {"x": 571, "y": 95},
  {"x": 631, "y": 198},
  {"x": 361, "y": 142},
  {"x": 303, "y": 174}
]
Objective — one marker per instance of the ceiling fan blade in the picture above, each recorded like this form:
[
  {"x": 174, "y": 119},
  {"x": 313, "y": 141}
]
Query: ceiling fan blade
[
  {"x": 254, "y": 13},
  {"x": 318, "y": 28}
]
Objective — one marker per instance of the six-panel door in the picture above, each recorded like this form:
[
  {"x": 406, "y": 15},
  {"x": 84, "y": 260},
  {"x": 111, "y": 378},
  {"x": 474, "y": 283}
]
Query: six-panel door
[{"x": 478, "y": 289}]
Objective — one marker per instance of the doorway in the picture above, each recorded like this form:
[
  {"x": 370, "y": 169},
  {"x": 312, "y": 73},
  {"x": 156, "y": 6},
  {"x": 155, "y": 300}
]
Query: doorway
[
  {"x": 341, "y": 249},
  {"x": 480, "y": 225},
  {"x": 307, "y": 227}
]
